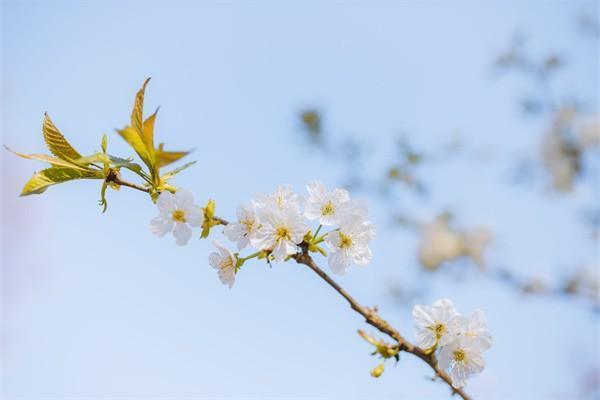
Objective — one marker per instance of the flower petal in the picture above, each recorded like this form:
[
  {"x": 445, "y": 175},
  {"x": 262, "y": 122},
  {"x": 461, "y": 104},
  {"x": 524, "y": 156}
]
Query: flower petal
[
  {"x": 182, "y": 234},
  {"x": 161, "y": 226}
]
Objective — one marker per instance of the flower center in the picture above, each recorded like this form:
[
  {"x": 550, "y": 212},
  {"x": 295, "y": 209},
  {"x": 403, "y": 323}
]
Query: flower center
[
  {"x": 439, "y": 329},
  {"x": 249, "y": 224},
  {"x": 345, "y": 241},
  {"x": 327, "y": 209},
  {"x": 459, "y": 355},
  {"x": 282, "y": 233},
  {"x": 178, "y": 216},
  {"x": 226, "y": 263}
]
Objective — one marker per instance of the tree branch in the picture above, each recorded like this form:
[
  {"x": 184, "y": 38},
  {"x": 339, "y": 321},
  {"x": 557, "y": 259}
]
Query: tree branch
[{"x": 371, "y": 316}]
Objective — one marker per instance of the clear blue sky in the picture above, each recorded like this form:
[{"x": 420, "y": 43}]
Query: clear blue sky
[{"x": 95, "y": 306}]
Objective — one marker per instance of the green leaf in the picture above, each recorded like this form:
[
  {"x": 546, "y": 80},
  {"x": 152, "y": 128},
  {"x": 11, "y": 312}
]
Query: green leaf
[
  {"x": 49, "y": 159},
  {"x": 164, "y": 158},
  {"x": 56, "y": 142},
  {"x": 52, "y": 176},
  {"x": 138, "y": 107},
  {"x": 174, "y": 172},
  {"x": 135, "y": 141},
  {"x": 148, "y": 132},
  {"x": 125, "y": 163}
]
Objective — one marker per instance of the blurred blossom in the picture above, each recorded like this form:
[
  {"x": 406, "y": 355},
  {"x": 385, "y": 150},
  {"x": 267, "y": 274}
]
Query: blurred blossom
[
  {"x": 311, "y": 121},
  {"x": 441, "y": 243},
  {"x": 586, "y": 282},
  {"x": 569, "y": 135}
]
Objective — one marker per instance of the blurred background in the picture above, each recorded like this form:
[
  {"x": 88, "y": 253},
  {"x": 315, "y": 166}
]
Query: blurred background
[{"x": 470, "y": 129}]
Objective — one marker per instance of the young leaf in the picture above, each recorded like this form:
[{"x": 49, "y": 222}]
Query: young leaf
[
  {"x": 125, "y": 163},
  {"x": 56, "y": 142},
  {"x": 164, "y": 158},
  {"x": 138, "y": 107},
  {"x": 51, "y": 176},
  {"x": 135, "y": 141},
  {"x": 49, "y": 159},
  {"x": 148, "y": 132},
  {"x": 174, "y": 172}
]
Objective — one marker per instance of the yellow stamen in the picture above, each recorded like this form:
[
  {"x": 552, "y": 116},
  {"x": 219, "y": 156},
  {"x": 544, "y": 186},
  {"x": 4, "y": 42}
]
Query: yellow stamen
[
  {"x": 345, "y": 241},
  {"x": 439, "y": 329},
  {"x": 226, "y": 263},
  {"x": 282, "y": 233},
  {"x": 248, "y": 223},
  {"x": 178, "y": 216},
  {"x": 327, "y": 209},
  {"x": 459, "y": 355}
]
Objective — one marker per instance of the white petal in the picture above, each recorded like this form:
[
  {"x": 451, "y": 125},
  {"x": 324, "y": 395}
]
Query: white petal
[
  {"x": 341, "y": 195},
  {"x": 445, "y": 358},
  {"x": 476, "y": 362},
  {"x": 443, "y": 310},
  {"x": 426, "y": 338},
  {"x": 362, "y": 256},
  {"x": 182, "y": 234},
  {"x": 166, "y": 203},
  {"x": 161, "y": 226},
  {"x": 458, "y": 325},
  {"x": 227, "y": 276},
  {"x": 316, "y": 189},
  {"x": 194, "y": 215},
  {"x": 184, "y": 199},
  {"x": 280, "y": 250},
  {"x": 214, "y": 259},
  {"x": 338, "y": 262},
  {"x": 422, "y": 316}
]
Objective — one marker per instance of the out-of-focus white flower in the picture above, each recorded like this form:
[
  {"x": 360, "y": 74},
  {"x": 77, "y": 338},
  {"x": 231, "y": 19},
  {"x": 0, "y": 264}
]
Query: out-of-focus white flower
[
  {"x": 246, "y": 226},
  {"x": 432, "y": 323},
  {"x": 280, "y": 232},
  {"x": 476, "y": 242},
  {"x": 177, "y": 211},
  {"x": 282, "y": 199},
  {"x": 224, "y": 261},
  {"x": 560, "y": 154},
  {"x": 350, "y": 244},
  {"x": 589, "y": 131},
  {"x": 586, "y": 282},
  {"x": 474, "y": 327},
  {"x": 327, "y": 207},
  {"x": 441, "y": 243},
  {"x": 463, "y": 357}
]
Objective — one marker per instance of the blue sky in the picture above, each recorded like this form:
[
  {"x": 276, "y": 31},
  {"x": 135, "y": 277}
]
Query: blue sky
[{"x": 98, "y": 307}]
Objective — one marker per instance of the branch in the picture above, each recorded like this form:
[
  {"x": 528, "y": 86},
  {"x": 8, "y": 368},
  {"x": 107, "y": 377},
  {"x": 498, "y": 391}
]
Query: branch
[
  {"x": 114, "y": 177},
  {"x": 371, "y": 316}
]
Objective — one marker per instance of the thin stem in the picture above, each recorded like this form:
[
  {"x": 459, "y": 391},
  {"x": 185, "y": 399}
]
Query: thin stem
[
  {"x": 317, "y": 231},
  {"x": 113, "y": 177},
  {"x": 251, "y": 256}
]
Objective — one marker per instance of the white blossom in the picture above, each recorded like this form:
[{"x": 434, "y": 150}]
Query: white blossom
[
  {"x": 350, "y": 244},
  {"x": 177, "y": 211},
  {"x": 224, "y": 261},
  {"x": 432, "y": 323},
  {"x": 244, "y": 229},
  {"x": 474, "y": 327},
  {"x": 282, "y": 199},
  {"x": 328, "y": 207},
  {"x": 463, "y": 357},
  {"x": 280, "y": 232}
]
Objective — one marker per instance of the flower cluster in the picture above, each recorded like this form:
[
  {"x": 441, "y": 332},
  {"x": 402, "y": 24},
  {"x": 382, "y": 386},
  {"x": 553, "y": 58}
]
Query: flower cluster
[
  {"x": 459, "y": 340},
  {"x": 275, "y": 225}
]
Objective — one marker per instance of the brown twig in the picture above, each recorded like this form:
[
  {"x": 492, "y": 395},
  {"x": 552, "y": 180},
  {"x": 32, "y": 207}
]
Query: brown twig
[
  {"x": 371, "y": 315},
  {"x": 114, "y": 177}
]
